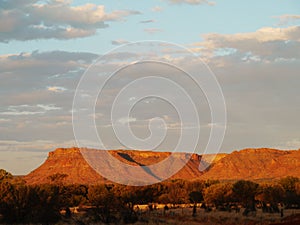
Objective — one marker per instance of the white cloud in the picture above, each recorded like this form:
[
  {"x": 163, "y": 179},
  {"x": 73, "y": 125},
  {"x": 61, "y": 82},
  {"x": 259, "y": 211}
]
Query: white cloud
[
  {"x": 264, "y": 34},
  {"x": 4, "y": 120},
  {"x": 157, "y": 9},
  {"x": 153, "y": 30},
  {"x": 285, "y": 19},
  {"x": 53, "y": 19},
  {"x": 292, "y": 144},
  {"x": 119, "y": 42},
  {"x": 56, "y": 89},
  {"x": 126, "y": 120},
  {"x": 23, "y": 110},
  {"x": 191, "y": 2},
  {"x": 148, "y": 21},
  {"x": 49, "y": 107},
  {"x": 36, "y": 145},
  {"x": 264, "y": 44}
]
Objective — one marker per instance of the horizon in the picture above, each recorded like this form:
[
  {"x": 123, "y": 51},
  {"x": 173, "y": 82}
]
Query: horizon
[
  {"x": 151, "y": 151},
  {"x": 250, "y": 49}
]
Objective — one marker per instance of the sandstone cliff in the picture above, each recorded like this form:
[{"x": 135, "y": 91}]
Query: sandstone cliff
[{"x": 245, "y": 164}]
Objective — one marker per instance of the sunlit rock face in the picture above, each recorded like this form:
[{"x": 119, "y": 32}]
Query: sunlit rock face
[
  {"x": 70, "y": 161},
  {"x": 245, "y": 164},
  {"x": 254, "y": 164}
]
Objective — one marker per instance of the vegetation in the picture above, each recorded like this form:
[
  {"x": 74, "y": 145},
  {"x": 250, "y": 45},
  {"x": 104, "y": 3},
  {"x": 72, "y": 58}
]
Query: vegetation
[{"x": 21, "y": 203}]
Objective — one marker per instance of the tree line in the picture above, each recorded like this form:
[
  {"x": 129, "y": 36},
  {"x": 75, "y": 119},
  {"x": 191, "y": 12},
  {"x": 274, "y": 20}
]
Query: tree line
[{"x": 21, "y": 203}]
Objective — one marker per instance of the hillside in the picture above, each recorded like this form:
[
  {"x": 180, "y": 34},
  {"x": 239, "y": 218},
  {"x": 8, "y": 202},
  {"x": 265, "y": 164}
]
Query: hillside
[
  {"x": 245, "y": 164},
  {"x": 256, "y": 164},
  {"x": 71, "y": 162}
]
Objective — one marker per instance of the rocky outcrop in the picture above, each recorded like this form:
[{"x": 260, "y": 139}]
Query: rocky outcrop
[
  {"x": 254, "y": 164},
  {"x": 65, "y": 161},
  {"x": 245, "y": 164},
  {"x": 70, "y": 163}
]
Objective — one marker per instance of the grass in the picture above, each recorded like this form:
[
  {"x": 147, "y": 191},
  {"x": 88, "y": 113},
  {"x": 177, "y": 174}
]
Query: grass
[{"x": 184, "y": 217}]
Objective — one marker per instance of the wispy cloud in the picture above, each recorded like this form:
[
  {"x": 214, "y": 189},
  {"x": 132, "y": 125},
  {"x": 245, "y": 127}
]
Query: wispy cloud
[
  {"x": 119, "y": 42},
  {"x": 153, "y": 30},
  {"x": 126, "y": 120},
  {"x": 19, "y": 110},
  {"x": 157, "y": 9},
  {"x": 191, "y": 2},
  {"x": 267, "y": 43},
  {"x": 56, "y": 19},
  {"x": 56, "y": 89},
  {"x": 148, "y": 21},
  {"x": 285, "y": 19},
  {"x": 33, "y": 146}
]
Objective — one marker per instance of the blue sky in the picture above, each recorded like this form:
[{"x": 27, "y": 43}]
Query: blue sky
[
  {"x": 45, "y": 46},
  {"x": 174, "y": 20}
]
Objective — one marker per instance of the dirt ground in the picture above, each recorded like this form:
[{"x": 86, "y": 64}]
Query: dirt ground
[{"x": 183, "y": 216}]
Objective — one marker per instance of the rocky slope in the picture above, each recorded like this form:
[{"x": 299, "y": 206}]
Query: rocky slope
[
  {"x": 245, "y": 164},
  {"x": 256, "y": 164},
  {"x": 73, "y": 164}
]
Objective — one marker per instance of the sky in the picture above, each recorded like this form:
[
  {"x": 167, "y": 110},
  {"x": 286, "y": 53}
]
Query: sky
[{"x": 252, "y": 48}]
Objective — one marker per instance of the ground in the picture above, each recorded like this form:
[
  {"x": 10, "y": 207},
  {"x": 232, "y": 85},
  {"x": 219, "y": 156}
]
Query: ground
[{"x": 184, "y": 217}]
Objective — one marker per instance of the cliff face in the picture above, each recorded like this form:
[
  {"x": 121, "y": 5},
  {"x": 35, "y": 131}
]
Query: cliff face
[
  {"x": 71, "y": 162},
  {"x": 256, "y": 164},
  {"x": 65, "y": 161},
  {"x": 245, "y": 164}
]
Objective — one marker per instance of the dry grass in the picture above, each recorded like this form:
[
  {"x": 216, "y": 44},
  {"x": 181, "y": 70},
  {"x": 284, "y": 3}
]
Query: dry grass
[{"x": 184, "y": 217}]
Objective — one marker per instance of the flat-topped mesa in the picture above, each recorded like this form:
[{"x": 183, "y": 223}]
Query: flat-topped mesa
[
  {"x": 260, "y": 151},
  {"x": 64, "y": 151},
  {"x": 70, "y": 161},
  {"x": 263, "y": 163}
]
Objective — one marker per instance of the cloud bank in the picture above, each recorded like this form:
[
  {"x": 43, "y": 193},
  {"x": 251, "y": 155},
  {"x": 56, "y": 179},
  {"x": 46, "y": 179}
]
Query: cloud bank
[{"x": 54, "y": 19}]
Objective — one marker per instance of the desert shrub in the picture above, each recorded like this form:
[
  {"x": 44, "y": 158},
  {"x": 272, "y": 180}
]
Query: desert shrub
[{"x": 218, "y": 194}]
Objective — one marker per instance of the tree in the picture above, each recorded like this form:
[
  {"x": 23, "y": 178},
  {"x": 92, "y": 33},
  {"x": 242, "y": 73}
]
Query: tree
[
  {"x": 191, "y": 186},
  {"x": 104, "y": 202},
  {"x": 297, "y": 188},
  {"x": 28, "y": 204},
  {"x": 218, "y": 193},
  {"x": 4, "y": 175},
  {"x": 244, "y": 191},
  {"x": 289, "y": 184},
  {"x": 195, "y": 197},
  {"x": 177, "y": 193},
  {"x": 270, "y": 193}
]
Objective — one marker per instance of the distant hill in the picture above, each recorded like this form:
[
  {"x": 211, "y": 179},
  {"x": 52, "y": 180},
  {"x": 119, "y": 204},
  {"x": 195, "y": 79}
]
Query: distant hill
[
  {"x": 255, "y": 164},
  {"x": 246, "y": 164}
]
